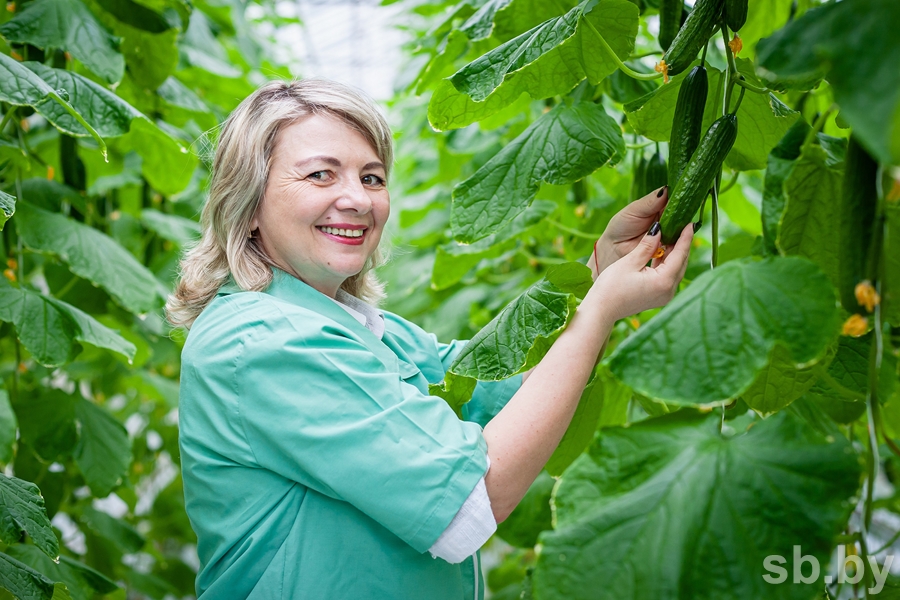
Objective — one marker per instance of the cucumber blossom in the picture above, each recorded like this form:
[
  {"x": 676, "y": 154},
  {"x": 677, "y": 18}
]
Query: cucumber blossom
[
  {"x": 692, "y": 36},
  {"x": 735, "y": 14},
  {"x": 687, "y": 122},
  {"x": 698, "y": 177},
  {"x": 669, "y": 21}
]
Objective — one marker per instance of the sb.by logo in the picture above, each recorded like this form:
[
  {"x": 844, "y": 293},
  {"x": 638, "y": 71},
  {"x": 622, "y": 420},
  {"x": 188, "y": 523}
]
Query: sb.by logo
[{"x": 845, "y": 574}]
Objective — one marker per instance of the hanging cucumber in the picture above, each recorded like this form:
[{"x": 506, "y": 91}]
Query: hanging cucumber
[
  {"x": 669, "y": 21},
  {"x": 859, "y": 197},
  {"x": 735, "y": 14},
  {"x": 692, "y": 36},
  {"x": 698, "y": 177},
  {"x": 637, "y": 181},
  {"x": 687, "y": 122},
  {"x": 654, "y": 174}
]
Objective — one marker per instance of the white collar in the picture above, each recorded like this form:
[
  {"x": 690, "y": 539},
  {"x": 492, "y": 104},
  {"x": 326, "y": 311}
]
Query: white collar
[{"x": 368, "y": 316}]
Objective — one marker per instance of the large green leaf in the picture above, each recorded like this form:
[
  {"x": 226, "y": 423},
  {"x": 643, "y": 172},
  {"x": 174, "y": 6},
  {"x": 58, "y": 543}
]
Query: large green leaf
[
  {"x": 847, "y": 377},
  {"x": 27, "y": 584},
  {"x": 22, "y": 511},
  {"x": 452, "y": 261},
  {"x": 519, "y": 16},
  {"x": 564, "y": 145},
  {"x": 103, "y": 453},
  {"x": 712, "y": 340},
  {"x": 671, "y": 508},
  {"x": 70, "y": 26},
  {"x": 7, "y": 208},
  {"x": 19, "y": 85},
  {"x": 50, "y": 329},
  {"x": 8, "y": 427},
  {"x": 201, "y": 49},
  {"x": 603, "y": 403},
  {"x": 92, "y": 255},
  {"x": 81, "y": 581},
  {"x": 151, "y": 57},
  {"x": 762, "y": 119},
  {"x": 120, "y": 533},
  {"x": 850, "y": 44},
  {"x": 456, "y": 390},
  {"x": 545, "y": 61},
  {"x": 47, "y": 424},
  {"x": 517, "y": 338},
  {"x": 780, "y": 383},
  {"x": 811, "y": 219},
  {"x": 763, "y": 17},
  {"x": 167, "y": 164},
  {"x": 171, "y": 227}
]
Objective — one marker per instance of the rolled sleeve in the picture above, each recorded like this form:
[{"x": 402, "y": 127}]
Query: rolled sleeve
[{"x": 324, "y": 411}]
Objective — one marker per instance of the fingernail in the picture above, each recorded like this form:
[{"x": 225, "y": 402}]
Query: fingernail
[
  {"x": 661, "y": 191},
  {"x": 697, "y": 226},
  {"x": 654, "y": 229}
]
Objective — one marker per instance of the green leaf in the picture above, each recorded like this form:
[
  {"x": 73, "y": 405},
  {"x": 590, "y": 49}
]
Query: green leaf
[
  {"x": 531, "y": 516},
  {"x": 50, "y": 329},
  {"x": 847, "y": 377},
  {"x": 19, "y": 85},
  {"x": 177, "y": 94},
  {"x": 27, "y": 584},
  {"x": 8, "y": 427},
  {"x": 452, "y": 261},
  {"x": 151, "y": 57},
  {"x": 711, "y": 341},
  {"x": 171, "y": 227},
  {"x": 548, "y": 60},
  {"x": 70, "y": 26},
  {"x": 47, "y": 423},
  {"x": 22, "y": 512},
  {"x": 780, "y": 163},
  {"x": 762, "y": 119},
  {"x": 671, "y": 508},
  {"x": 103, "y": 453},
  {"x": 603, "y": 403},
  {"x": 7, "y": 208},
  {"x": 167, "y": 164},
  {"x": 519, "y": 16},
  {"x": 120, "y": 533},
  {"x": 480, "y": 25},
  {"x": 563, "y": 146},
  {"x": 92, "y": 255},
  {"x": 517, "y": 338},
  {"x": 201, "y": 49},
  {"x": 136, "y": 15},
  {"x": 780, "y": 383},
  {"x": 456, "y": 390},
  {"x": 82, "y": 581},
  {"x": 811, "y": 219},
  {"x": 571, "y": 277},
  {"x": 107, "y": 113},
  {"x": 849, "y": 43},
  {"x": 763, "y": 18}
]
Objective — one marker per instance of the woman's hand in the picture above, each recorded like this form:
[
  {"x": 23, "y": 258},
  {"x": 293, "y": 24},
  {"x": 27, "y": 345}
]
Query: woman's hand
[
  {"x": 628, "y": 286},
  {"x": 626, "y": 229}
]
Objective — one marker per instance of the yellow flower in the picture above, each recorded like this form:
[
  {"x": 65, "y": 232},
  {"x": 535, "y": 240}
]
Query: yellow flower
[
  {"x": 736, "y": 44},
  {"x": 662, "y": 67},
  {"x": 855, "y": 326},
  {"x": 866, "y": 295},
  {"x": 660, "y": 252}
]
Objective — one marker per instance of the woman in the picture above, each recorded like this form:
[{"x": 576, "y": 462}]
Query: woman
[{"x": 315, "y": 463}]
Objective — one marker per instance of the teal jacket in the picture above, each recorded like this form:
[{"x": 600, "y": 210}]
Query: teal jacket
[{"x": 315, "y": 463}]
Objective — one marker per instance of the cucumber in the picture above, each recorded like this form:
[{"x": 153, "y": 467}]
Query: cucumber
[
  {"x": 637, "y": 181},
  {"x": 692, "y": 36},
  {"x": 735, "y": 14},
  {"x": 859, "y": 198},
  {"x": 669, "y": 21},
  {"x": 687, "y": 122},
  {"x": 655, "y": 174},
  {"x": 698, "y": 177}
]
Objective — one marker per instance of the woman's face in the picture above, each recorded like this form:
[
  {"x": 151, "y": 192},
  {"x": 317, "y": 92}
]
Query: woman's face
[{"x": 325, "y": 204}]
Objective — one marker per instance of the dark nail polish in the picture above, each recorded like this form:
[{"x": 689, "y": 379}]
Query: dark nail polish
[
  {"x": 697, "y": 226},
  {"x": 654, "y": 229},
  {"x": 661, "y": 191}
]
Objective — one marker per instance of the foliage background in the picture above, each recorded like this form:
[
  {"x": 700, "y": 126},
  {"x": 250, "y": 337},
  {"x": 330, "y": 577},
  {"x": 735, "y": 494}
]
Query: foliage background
[{"x": 88, "y": 405}]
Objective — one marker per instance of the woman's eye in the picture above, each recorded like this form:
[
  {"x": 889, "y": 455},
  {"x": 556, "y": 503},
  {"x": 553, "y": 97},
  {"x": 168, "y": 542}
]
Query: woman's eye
[
  {"x": 318, "y": 175},
  {"x": 372, "y": 180}
]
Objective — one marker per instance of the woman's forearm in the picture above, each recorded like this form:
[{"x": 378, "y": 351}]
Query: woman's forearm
[{"x": 525, "y": 433}]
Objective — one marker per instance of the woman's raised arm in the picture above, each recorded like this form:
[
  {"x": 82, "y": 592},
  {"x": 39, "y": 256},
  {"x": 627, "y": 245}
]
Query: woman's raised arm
[{"x": 525, "y": 433}]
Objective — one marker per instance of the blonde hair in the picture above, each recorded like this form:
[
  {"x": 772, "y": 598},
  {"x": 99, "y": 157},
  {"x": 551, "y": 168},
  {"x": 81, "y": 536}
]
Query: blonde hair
[{"x": 239, "y": 176}]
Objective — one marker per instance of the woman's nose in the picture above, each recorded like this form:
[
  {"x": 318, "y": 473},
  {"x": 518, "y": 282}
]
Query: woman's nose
[{"x": 354, "y": 196}]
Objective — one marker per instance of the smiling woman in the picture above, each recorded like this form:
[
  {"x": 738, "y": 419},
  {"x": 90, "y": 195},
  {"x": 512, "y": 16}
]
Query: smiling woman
[{"x": 315, "y": 463}]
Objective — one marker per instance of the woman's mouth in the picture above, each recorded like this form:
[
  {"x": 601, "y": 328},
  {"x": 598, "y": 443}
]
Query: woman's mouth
[{"x": 344, "y": 235}]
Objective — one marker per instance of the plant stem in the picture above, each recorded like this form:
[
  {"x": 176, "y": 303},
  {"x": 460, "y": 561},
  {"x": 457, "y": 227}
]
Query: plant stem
[
  {"x": 730, "y": 183},
  {"x": 572, "y": 231},
  {"x": 622, "y": 66},
  {"x": 77, "y": 116},
  {"x": 715, "y": 222},
  {"x": 638, "y": 146},
  {"x": 818, "y": 124},
  {"x": 7, "y": 117},
  {"x": 750, "y": 87},
  {"x": 731, "y": 74}
]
